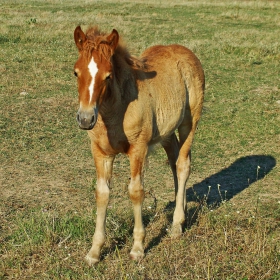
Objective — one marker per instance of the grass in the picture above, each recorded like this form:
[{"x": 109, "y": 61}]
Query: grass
[{"x": 47, "y": 179}]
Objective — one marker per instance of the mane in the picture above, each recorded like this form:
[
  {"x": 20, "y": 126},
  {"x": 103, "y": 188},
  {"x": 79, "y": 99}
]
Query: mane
[{"x": 95, "y": 38}]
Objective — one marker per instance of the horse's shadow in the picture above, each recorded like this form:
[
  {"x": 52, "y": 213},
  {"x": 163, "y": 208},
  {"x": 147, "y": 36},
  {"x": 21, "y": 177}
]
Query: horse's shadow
[{"x": 224, "y": 185}]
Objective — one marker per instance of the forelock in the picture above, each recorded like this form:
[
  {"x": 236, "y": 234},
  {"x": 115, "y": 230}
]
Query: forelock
[{"x": 96, "y": 40}]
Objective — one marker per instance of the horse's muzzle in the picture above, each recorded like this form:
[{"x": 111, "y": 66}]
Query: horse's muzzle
[{"x": 87, "y": 119}]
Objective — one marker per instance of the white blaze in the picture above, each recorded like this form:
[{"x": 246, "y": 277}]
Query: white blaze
[{"x": 92, "y": 67}]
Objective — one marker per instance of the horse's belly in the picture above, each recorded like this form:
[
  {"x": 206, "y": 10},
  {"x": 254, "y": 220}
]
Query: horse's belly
[{"x": 167, "y": 121}]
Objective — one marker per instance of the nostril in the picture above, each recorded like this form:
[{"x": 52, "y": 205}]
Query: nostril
[
  {"x": 93, "y": 119},
  {"x": 78, "y": 118}
]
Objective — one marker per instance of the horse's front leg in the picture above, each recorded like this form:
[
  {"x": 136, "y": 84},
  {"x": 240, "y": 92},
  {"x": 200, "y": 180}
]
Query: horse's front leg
[
  {"x": 104, "y": 165},
  {"x": 136, "y": 193}
]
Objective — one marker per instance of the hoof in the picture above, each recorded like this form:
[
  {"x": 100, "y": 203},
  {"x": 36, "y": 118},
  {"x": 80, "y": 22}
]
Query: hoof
[
  {"x": 136, "y": 255},
  {"x": 91, "y": 261},
  {"x": 176, "y": 231}
]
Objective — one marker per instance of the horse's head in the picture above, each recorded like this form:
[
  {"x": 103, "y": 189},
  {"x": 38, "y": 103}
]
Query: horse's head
[{"x": 94, "y": 71}]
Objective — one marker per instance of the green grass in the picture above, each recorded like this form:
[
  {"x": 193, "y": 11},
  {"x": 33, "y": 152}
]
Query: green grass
[{"x": 47, "y": 178}]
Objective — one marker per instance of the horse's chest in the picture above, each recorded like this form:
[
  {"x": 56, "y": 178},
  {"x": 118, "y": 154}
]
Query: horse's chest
[{"x": 110, "y": 138}]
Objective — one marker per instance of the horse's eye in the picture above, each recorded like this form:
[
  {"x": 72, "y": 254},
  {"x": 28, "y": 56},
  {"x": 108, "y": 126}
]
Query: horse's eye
[
  {"x": 109, "y": 76},
  {"x": 75, "y": 73}
]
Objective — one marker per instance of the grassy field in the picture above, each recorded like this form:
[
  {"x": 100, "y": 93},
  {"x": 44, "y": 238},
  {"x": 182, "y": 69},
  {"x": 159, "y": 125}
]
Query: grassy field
[{"x": 47, "y": 178}]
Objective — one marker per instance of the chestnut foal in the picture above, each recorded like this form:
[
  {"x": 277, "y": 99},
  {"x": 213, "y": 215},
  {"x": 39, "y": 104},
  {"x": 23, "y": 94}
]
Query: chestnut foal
[{"x": 128, "y": 104}]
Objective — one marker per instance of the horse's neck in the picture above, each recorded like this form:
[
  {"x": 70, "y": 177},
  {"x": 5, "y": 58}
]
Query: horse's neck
[
  {"x": 120, "y": 92},
  {"x": 124, "y": 86},
  {"x": 115, "y": 101}
]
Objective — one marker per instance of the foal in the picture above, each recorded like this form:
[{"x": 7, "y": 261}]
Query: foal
[{"x": 129, "y": 104}]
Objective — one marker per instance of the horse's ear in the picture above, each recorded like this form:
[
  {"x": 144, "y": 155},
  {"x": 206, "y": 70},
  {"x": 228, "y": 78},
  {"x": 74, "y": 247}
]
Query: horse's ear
[
  {"x": 79, "y": 37},
  {"x": 113, "y": 39}
]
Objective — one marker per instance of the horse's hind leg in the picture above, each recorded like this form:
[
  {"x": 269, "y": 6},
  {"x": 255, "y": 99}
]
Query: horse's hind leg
[
  {"x": 171, "y": 147},
  {"x": 183, "y": 168}
]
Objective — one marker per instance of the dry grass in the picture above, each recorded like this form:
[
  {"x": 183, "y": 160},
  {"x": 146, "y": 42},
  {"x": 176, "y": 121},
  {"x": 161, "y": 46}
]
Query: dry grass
[{"x": 47, "y": 178}]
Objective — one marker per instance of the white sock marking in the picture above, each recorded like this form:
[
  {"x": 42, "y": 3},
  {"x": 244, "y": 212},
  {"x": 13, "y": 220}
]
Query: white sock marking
[{"x": 92, "y": 67}]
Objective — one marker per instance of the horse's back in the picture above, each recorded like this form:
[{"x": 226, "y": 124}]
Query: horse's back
[{"x": 173, "y": 57}]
